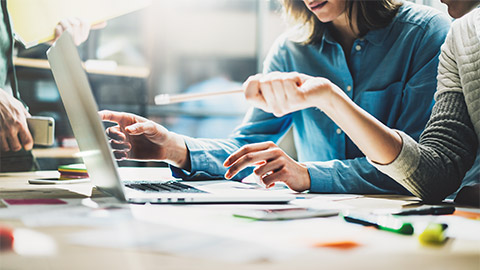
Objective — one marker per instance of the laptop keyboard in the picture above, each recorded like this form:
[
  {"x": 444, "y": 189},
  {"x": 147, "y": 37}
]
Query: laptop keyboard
[{"x": 171, "y": 186}]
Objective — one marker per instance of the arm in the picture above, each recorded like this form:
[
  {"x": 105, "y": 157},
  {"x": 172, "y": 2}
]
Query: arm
[
  {"x": 138, "y": 138},
  {"x": 357, "y": 175}
]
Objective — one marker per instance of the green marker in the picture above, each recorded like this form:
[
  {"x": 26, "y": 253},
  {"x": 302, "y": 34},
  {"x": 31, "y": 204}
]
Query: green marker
[{"x": 381, "y": 222}]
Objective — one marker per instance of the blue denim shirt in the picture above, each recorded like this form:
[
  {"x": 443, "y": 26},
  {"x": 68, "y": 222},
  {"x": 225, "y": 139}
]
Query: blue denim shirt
[{"x": 391, "y": 74}]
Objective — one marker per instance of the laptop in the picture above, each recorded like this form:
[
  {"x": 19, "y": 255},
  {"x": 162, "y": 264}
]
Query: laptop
[{"x": 82, "y": 112}]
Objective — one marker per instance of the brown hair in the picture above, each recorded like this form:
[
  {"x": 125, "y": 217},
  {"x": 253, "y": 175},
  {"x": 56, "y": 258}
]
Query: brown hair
[{"x": 370, "y": 15}]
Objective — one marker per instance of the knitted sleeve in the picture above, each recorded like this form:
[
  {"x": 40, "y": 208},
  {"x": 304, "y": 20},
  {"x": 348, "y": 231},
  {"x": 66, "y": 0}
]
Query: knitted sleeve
[{"x": 434, "y": 168}]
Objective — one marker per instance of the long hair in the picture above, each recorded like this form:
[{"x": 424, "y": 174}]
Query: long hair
[{"x": 369, "y": 14}]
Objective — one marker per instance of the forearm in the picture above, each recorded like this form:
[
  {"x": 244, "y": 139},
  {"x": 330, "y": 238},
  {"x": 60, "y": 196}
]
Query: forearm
[
  {"x": 206, "y": 157},
  {"x": 355, "y": 176},
  {"x": 179, "y": 155},
  {"x": 377, "y": 141}
]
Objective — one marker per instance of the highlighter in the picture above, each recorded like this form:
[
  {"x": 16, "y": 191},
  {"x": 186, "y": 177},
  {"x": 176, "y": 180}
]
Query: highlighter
[
  {"x": 434, "y": 234},
  {"x": 381, "y": 222}
]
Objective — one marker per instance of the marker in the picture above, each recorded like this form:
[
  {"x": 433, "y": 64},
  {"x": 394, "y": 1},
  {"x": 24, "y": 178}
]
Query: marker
[
  {"x": 434, "y": 210},
  {"x": 434, "y": 234},
  {"x": 381, "y": 222}
]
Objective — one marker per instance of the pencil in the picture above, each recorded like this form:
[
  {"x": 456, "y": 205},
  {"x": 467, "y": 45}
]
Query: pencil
[{"x": 165, "y": 99}]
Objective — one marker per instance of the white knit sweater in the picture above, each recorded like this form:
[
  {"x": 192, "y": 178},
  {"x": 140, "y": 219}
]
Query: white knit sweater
[
  {"x": 460, "y": 68},
  {"x": 434, "y": 168}
]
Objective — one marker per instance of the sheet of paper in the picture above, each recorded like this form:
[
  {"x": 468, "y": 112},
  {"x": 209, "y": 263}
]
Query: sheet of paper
[
  {"x": 34, "y": 21},
  {"x": 178, "y": 241}
]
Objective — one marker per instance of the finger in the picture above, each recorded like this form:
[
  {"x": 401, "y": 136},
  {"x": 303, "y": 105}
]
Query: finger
[
  {"x": 25, "y": 138},
  {"x": 112, "y": 116},
  {"x": 292, "y": 84},
  {"x": 13, "y": 141},
  {"x": 4, "y": 144},
  {"x": 83, "y": 31},
  {"x": 116, "y": 145},
  {"x": 253, "y": 93},
  {"x": 269, "y": 96},
  {"x": 148, "y": 128},
  {"x": 120, "y": 155},
  {"x": 65, "y": 24},
  {"x": 58, "y": 31},
  {"x": 270, "y": 179},
  {"x": 116, "y": 134},
  {"x": 271, "y": 166},
  {"x": 99, "y": 25},
  {"x": 278, "y": 89},
  {"x": 246, "y": 149},
  {"x": 248, "y": 160},
  {"x": 119, "y": 117}
]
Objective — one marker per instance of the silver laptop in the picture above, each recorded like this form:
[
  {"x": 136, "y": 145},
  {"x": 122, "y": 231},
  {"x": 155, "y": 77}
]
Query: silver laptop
[{"x": 81, "y": 108}]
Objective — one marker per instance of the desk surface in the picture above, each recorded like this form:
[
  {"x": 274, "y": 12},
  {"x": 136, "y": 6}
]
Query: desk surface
[
  {"x": 124, "y": 71},
  {"x": 383, "y": 253}
]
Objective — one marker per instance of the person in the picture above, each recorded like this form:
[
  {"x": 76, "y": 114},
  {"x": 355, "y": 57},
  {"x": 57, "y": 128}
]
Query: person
[
  {"x": 15, "y": 138},
  {"x": 382, "y": 53},
  {"x": 434, "y": 167}
]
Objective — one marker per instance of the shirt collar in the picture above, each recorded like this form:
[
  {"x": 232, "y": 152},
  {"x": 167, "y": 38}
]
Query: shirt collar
[{"x": 375, "y": 37}]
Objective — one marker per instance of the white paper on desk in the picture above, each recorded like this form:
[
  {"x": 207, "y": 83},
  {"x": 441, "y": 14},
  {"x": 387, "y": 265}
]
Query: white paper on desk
[
  {"x": 288, "y": 238},
  {"x": 177, "y": 241},
  {"x": 20, "y": 211},
  {"x": 81, "y": 212}
]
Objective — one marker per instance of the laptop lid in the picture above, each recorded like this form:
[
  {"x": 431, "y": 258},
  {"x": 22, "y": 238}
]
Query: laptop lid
[{"x": 82, "y": 112}]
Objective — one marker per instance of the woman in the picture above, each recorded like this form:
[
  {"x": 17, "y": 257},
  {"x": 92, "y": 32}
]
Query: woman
[
  {"x": 432, "y": 168},
  {"x": 383, "y": 54}
]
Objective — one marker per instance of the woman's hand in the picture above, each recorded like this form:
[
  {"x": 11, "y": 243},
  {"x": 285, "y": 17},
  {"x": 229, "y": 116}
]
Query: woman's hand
[
  {"x": 273, "y": 165},
  {"x": 282, "y": 93},
  {"x": 14, "y": 133},
  {"x": 138, "y": 138}
]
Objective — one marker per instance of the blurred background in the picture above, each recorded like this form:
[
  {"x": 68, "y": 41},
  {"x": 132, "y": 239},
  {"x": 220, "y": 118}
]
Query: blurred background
[{"x": 180, "y": 46}]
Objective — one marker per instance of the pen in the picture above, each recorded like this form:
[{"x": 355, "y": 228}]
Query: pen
[
  {"x": 165, "y": 99},
  {"x": 434, "y": 210},
  {"x": 381, "y": 222}
]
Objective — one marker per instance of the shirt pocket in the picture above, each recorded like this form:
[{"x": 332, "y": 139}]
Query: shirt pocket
[{"x": 384, "y": 104}]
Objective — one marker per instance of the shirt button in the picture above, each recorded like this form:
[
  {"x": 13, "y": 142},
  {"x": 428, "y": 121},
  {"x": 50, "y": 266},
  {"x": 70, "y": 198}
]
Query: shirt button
[
  {"x": 358, "y": 47},
  {"x": 339, "y": 131},
  {"x": 349, "y": 88}
]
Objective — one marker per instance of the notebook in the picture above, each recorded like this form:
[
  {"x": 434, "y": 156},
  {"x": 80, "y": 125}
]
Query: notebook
[{"x": 81, "y": 108}]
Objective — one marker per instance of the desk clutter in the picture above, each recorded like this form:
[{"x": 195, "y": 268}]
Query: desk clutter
[
  {"x": 355, "y": 225},
  {"x": 72, "y": 171}
]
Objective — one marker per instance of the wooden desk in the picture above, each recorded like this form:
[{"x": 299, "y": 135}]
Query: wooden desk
[
  {"x": 123, "y": 71},
  {"x": 455, "y": 254}
]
